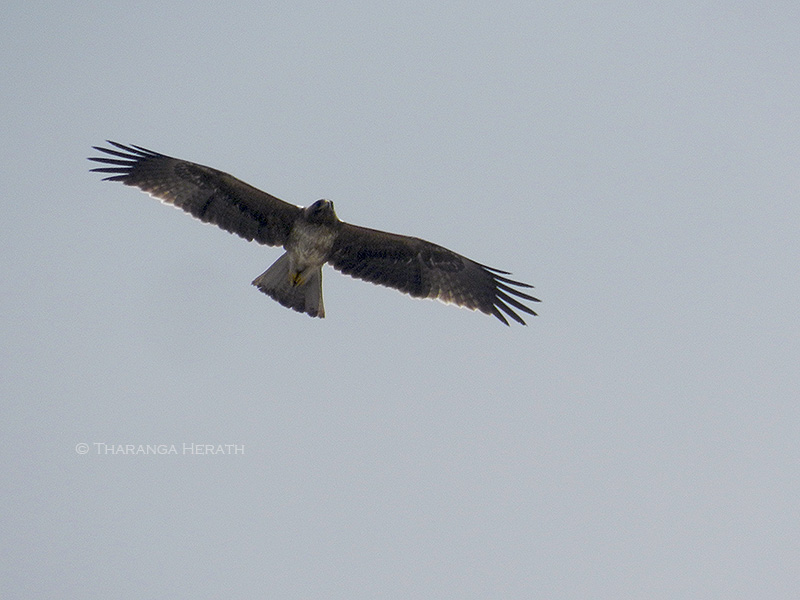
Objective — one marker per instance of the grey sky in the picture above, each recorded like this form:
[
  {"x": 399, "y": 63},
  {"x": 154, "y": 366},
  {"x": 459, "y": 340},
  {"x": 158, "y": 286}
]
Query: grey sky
[{"x": 639, "y": 439}]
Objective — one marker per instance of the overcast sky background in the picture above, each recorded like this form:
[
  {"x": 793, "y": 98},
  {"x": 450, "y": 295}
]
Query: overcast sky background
[{"x": 637, "y": 163}]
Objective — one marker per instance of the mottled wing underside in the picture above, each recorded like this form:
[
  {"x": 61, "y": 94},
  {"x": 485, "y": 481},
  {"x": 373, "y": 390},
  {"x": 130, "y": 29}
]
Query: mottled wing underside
[
  {"x": 424, "y": 270},
  {"x": 208, "y": 194}
]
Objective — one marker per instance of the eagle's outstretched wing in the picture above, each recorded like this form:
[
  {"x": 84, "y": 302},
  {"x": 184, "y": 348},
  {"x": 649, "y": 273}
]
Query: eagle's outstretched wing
[
  {"x": 425, "y": 270},
  {"x": 208, "y": 194}
]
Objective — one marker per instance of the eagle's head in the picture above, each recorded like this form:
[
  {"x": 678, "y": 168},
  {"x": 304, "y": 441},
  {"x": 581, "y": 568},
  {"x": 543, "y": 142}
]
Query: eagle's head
[{"x": 320, "y": 213}]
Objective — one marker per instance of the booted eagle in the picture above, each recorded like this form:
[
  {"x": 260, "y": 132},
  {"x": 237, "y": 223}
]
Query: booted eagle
[{"x": 313, "y": 236}]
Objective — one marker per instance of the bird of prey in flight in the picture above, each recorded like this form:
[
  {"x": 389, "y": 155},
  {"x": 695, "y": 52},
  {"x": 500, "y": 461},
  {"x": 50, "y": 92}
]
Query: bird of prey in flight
[{"x": 313, "y": 236}]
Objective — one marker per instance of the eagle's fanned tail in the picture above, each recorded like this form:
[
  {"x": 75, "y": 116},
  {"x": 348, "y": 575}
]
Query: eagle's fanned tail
[{"x": 277, "y": 283}]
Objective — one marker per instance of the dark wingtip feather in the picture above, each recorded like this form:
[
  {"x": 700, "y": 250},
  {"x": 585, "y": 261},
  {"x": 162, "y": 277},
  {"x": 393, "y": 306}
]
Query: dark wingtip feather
[
  {"x": 500, "y": 316},
  {"x": 515, "y": 303},
  {"x": 493, "y": 270},
  {"x": 506, "y": 309},
  {"x": 131, "y": 153},
  {"x": 126, "y": 158},
  {"x": 503, "y": 299},
  {"x": 524, "y": 296},
  {"x": 133, "y": 149},
  {"x": 511, "y": 281}
]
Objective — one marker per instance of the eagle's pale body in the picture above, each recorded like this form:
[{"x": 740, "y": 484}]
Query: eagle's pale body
[
  {"x": 309, "y": 244},
  {"x": 313, "y": 236}
]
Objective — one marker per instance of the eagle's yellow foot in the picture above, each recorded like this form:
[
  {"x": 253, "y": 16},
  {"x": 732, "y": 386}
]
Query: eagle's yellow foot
[{"x": 296, "y": 279}]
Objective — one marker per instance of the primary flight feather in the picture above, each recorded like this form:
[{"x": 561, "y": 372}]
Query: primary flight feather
[{"x": 313, "y": 236}]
